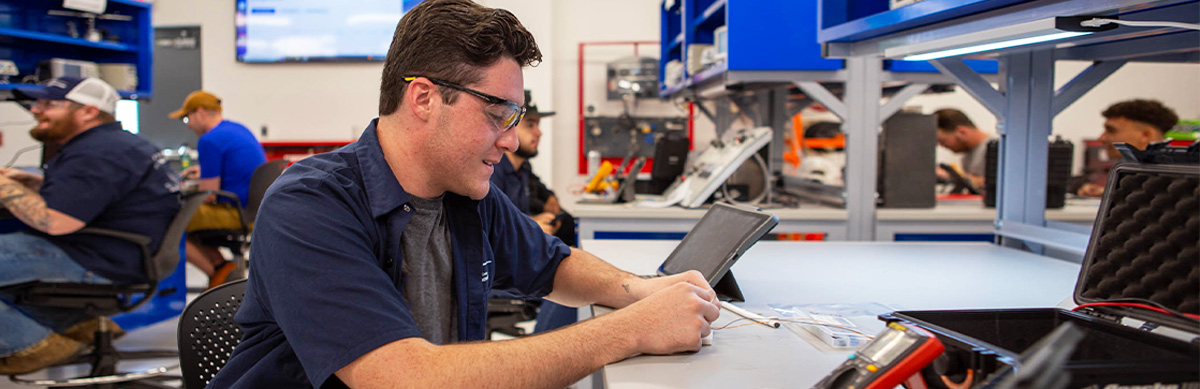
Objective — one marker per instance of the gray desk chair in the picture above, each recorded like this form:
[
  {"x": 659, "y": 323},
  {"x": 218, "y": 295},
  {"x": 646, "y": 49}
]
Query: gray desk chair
[
  {"x": 208, "y": 334},
  {"x": 238, "y": 241},
  {"x": 108, "y": 300}
]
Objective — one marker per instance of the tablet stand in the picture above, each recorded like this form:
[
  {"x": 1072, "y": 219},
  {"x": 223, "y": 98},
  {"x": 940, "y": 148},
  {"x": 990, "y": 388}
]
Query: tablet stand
[{"x": 727, "y": 289}]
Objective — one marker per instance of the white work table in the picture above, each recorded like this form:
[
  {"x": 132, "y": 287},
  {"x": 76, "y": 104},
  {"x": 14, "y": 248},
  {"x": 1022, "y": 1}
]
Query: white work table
[{"x": 913, "y": 276}]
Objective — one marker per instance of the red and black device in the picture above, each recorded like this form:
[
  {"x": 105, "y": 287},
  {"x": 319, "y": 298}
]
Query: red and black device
[{"x": 896, "y": 354}]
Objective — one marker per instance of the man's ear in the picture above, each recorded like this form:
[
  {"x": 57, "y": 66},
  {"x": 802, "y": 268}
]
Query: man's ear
[
  {"x": 962, "y": 132},
  {"x": 87, "y": 113},
  {"x": 421, "y": 98}
]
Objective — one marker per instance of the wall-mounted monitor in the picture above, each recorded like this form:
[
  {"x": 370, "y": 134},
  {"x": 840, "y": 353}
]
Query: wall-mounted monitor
[{"x": 316, "y": 30}]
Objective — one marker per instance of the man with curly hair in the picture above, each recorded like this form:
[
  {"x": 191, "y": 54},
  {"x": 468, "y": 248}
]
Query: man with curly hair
[
  {"x": 1137, "y": 122},
  {"x": 373, "y": 263}
]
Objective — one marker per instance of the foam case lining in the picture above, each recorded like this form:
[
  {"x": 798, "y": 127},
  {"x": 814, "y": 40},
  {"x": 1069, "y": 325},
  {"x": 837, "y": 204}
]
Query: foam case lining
[{"x": 1145, "y": 244}]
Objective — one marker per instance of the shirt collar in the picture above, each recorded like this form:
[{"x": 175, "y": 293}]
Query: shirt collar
[
  {"x": 384, "y": 192},
  {"x": 505, "y": 166}
]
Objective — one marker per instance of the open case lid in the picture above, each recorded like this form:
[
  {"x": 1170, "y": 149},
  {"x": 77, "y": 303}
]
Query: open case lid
[{"x": 1145, "y": 243}]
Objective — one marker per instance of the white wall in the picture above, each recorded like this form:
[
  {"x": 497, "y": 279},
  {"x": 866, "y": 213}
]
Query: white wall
[{"x": 15, "y": 123}]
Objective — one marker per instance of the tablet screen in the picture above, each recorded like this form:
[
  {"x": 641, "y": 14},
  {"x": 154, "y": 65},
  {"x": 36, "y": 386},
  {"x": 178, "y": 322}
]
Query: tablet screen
[{"x": 719, "y": 238}]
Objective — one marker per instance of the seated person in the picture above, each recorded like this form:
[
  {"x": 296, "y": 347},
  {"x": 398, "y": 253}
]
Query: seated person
[
  {"x": 1137, "y": 122},
  {"x": 957, "y": 133},
  {"x": 515, "y": 179},
  {"x": 103, "y": 176},
  {"x": 373, "y": 263},
  {"x": 228, "y": 155}
]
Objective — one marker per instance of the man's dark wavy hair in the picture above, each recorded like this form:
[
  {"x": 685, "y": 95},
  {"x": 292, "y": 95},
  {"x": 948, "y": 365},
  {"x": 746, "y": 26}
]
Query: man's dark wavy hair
[
  {"x": 1150, "y": 112},
  {"x": 451, "y": 40}
]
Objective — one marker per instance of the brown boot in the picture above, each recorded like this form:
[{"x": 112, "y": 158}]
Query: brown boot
[
  {"x": 220, "y": 274},
  {"x": 85, "y": 332},
  {"x": 54, "y": 349}
]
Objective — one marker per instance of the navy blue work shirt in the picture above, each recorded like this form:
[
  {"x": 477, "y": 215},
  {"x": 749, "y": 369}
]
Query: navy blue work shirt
[
  {"x": 109, "y": 178},
  {"x": 327, "y": 287},
  {"x": 513, "y": 183}
]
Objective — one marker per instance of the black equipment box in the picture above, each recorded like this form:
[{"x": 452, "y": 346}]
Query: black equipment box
[
  {"x": 1058, "y": 173},
  {"x": 1145, "y": 248}
]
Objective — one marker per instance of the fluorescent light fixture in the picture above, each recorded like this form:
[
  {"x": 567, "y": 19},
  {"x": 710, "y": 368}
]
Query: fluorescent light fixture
[
  {"x": 992, "y": 46},
  {"x": 988, "y": 40}
]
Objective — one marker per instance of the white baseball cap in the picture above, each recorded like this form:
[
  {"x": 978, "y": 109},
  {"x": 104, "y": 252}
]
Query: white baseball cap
[{"x": 86, "y": 91}]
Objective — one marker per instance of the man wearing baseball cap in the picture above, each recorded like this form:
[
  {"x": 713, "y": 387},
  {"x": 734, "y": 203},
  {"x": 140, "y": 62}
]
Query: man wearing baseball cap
[
  {"x": 514, "y": 177},
  {"x": 102, "y": 177},
  {"x": 228, "y": 155}
]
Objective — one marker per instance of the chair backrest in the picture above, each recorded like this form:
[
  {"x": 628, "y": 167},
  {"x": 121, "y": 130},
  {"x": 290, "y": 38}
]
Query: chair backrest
[
  {"x": 262, "y": 179},
  {"x": 208, "y": 334},
  {"x": 163, "y": 263}
]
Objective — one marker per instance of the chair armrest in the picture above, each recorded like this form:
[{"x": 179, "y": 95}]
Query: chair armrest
[
  {"x": 137, "y": 239},
  {"x": 231, "y": 196}
]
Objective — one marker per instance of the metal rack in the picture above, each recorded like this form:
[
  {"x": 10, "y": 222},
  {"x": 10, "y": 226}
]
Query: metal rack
[
  {"x": 1027, "y": 102},
  {"x": 763, "y": 82}
]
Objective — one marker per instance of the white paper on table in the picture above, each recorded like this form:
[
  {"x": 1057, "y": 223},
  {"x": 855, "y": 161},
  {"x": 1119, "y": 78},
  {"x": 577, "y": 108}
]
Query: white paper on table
[{"x": 93, "y": 6}]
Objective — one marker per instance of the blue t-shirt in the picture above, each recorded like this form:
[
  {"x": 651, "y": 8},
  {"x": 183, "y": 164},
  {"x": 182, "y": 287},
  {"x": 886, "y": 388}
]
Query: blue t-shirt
[
  {"x": 327, "y": 287},
  {"x": 109, "y": 178},
  {"x": 231, "y": 152}
]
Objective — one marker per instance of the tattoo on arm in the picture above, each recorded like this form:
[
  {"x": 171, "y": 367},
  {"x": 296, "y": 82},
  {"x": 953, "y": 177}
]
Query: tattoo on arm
[
  {"x": 626, "y": 286},
  {"x": 25, "y": 205}
]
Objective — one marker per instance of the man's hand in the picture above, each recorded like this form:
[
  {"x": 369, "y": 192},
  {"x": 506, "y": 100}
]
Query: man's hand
[
  {"x": 192, "y": 172},
  {"x": 1091, "y": 190},
  {"x": 552, "y": 206},
  {"x": 942, "y": 175},
  {"x": 672, "y": 319},
  {"x": 29, "y": 180},
  {"x": 547, "y": 221}
]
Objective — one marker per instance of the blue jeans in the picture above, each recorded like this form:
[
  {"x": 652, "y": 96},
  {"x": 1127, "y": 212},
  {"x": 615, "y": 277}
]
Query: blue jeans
[{"x": 23, "y": 258}]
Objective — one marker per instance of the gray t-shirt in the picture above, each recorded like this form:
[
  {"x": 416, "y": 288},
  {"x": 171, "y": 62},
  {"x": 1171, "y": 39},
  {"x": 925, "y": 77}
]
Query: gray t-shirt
[
  {"x": 428, "y": 270},
  {"x": 974, "y": 161}
]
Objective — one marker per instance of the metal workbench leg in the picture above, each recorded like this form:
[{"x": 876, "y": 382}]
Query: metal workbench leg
[{"x": 863, "y": 93}]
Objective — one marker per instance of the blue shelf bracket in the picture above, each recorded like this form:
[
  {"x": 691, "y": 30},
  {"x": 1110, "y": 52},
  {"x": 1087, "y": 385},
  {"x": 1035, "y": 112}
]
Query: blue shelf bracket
[
  {"x": 1082, "y": 83},
  {"x": 973, "y": 83}
]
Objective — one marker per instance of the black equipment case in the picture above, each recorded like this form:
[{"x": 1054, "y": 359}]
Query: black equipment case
[{"x": 1145, "y": 248}]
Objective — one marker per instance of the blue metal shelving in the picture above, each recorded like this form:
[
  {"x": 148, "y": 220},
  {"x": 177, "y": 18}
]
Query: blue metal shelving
[{"x": 29, "y": 35}]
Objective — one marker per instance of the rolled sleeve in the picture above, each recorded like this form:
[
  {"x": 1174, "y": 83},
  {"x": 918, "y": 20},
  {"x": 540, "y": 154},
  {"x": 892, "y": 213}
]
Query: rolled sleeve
[
  {"x": 526, "y": 257},
  {"x": 316, "y": 268}
]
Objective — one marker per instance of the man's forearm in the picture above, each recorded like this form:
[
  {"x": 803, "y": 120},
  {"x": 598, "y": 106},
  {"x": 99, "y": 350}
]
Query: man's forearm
[
  {"x": 25, "y": 204},
  {"x": 584, "y": 279},
  {"x": 31, "y": 209},
  {"x": 554, "y": 359}
]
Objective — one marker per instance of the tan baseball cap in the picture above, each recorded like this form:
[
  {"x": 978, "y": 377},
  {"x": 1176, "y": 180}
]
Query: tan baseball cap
[{"x": 197, "y": 99}]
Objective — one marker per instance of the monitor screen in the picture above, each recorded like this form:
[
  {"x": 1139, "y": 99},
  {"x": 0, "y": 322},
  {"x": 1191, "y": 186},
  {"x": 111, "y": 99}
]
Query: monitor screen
[{"x": 316, "y": 30}]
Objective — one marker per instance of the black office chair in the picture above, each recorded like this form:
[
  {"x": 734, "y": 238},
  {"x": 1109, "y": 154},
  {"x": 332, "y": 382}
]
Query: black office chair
[
  {"x": 208, "y": 334},
  {"x": 238, "y": 241},
  {"x": 108, "y": 300}
]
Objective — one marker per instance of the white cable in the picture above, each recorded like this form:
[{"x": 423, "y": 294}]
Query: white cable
[{"x": 1097, "y": 22}]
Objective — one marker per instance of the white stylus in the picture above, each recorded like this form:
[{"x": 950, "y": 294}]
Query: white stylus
[{"x": 766, "y": 321}]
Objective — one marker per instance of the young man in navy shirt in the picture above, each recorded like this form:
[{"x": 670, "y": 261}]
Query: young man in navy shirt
[
  {"x": 228, "y": 155},
  {"x": 102, "y": 177},
  {"x": 373, "y": 263}
]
